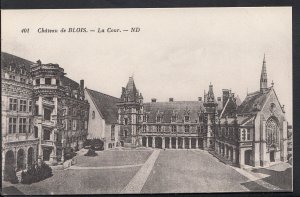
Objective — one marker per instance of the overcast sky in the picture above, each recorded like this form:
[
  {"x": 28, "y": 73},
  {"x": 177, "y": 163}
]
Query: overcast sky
[{"x": 177, "y": 52}]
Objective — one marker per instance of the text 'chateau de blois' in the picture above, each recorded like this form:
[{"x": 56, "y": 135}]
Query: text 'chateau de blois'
[{"x": 45, "y": 114}]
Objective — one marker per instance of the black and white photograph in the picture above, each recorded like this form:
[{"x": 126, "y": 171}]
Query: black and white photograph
[{"x": 146, "y": 100}]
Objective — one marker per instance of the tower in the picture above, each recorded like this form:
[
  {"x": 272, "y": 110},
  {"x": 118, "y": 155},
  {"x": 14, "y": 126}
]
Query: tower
[
  {"x": 210, "y": 106},
  {"x": 130, "y": 110},
  {"x": 263, "y": 76}
]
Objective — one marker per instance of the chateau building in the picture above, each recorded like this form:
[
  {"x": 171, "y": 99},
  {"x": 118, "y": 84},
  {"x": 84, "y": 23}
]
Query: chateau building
[
  {"x": 19, "y": 144},
  {"x": 43, "y": 112},
  {"x": 254, "y": 133},
  {"x": 61, "y": 112},
  {"x": 103, "y": 118}
]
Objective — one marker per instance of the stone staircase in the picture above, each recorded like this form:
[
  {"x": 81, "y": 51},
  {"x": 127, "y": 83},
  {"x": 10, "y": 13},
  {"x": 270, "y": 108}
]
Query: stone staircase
[{"x": 221, "y": 159}]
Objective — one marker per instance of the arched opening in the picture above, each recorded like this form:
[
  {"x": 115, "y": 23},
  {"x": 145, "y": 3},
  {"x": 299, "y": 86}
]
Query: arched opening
[
  {"x": 46, "y": 153},
  {"x": 144, "y": 141},
  {"x": 272, "y": 156},
  {"x": 272, "y": 131},
  {"x": 158, "y": 142},
  {"x": 187, "y": 143},
  {"x": 193, "y": 143},
  {"x": 150, "y": 142},
  {"x": 9, "y": 166},
  {"x": 167, "y": 142},
  {"x": 30, "y": 156},
  {"x": 173, "y": 142},
  {"x": 180, "y": 142},
  {"x": 20, "y": 160},
  {"x": 248, "y": 157},
  {"x": 200, "y": 143}
]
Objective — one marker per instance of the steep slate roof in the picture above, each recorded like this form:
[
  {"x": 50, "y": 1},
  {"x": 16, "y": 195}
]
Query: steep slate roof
[
  {"x": 179, "y": 107},
  {"x": 7, "y": 59},
  {"x": 240, "y": 120},
  {"x": 70, "y": 83},
  {"x": 253, "y": 102},
  {"x": 106, "y": 105}
]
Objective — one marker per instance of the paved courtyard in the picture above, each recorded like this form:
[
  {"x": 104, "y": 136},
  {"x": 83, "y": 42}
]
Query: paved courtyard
[{"x": 156, "y": 171}]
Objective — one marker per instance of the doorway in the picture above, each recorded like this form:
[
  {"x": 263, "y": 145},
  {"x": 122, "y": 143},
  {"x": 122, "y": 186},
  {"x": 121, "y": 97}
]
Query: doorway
[
  {"x": 248, "y": 157},
  {"x": 272, "y": 156}
]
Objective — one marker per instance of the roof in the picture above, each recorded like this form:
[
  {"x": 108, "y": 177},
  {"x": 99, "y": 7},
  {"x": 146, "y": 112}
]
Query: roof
[
  {"x": 254, "y": 102},
  {"x": 178, "y": 107},
  {"x": 8, "y": 59},
  {"x": 70, "y": 83},
  {"x": 106, "y": 105},
  {"x": 241, "y": 120}
]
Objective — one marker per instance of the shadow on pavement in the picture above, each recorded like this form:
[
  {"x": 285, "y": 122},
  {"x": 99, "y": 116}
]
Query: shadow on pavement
[
  {"x": 11, "y": 190},
  {"x": 254, "y": 187},
  {"x": 281, "y": 179}
]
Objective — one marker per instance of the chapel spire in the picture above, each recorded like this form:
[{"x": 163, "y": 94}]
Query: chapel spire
[{"x": 263, "y": 76}]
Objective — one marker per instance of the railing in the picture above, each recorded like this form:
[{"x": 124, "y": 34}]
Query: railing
[
  {"x": 48, "y": 123},
  {"x": 48, "y": 143}
]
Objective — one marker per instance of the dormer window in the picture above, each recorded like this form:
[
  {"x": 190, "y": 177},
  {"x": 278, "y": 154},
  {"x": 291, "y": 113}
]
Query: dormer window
[
  {"x": 158, "y": 118},
  {"x": 186, "y": 118},
  {"x": 48, "y": 81},
  {"x": 187, "y": 128},
  {"x": 174, "y": 118}
]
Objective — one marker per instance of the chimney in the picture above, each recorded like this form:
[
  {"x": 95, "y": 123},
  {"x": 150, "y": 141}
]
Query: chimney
[
  {"x": 225, "y": 96},
  {"x": 82, "y": 84},
  {"x": 171, "y": 99},
  {"x": 153, "y": 100},
  {"x": 199, "y": 98}
]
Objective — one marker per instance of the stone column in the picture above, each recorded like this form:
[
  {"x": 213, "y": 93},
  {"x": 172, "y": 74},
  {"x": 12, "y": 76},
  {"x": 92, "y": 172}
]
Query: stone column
[
  {"x": 176, "y": 143},
  {"x": 147, "y": 142},
  {"x": 225, "y": 151},
  {"x": 163, "y": 143},
  {"x": 197, "y": 146},
  {"x": 229, "y": 154},
  {"x": 183, "y": 143},
  {"x": 233, "y": 156},
  {"x": 190, "y": 143},
  {"x": 241, "y": 158},
  {"x": 153, "y": 142}
]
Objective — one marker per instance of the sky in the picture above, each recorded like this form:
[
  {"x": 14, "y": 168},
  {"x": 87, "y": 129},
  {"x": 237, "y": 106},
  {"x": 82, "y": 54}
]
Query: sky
[{"x": 177, "y": 53}]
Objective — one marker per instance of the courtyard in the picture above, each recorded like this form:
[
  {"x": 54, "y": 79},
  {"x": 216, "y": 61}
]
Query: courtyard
[{"x": 156, "y": 171}]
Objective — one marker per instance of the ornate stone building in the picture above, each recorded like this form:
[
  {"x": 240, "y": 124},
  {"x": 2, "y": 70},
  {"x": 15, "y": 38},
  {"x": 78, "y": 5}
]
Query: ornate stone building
[
  {"x": 19, "y": 144},
  {"x": 43, "y": 112},
  {"x": 61, "y": 112},
  {"x": 254, "y": 133},
  {"x": 173, "y": 124}
]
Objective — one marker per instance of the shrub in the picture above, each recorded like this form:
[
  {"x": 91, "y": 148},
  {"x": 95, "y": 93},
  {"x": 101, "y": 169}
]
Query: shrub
[
  {"x": 91, "y": 153},
  {"x": 69, "y": 153},
  {"x": 10, "y": 174},
  {"x": 97, "y": 144},
  {"x": 36, "y": 173}
]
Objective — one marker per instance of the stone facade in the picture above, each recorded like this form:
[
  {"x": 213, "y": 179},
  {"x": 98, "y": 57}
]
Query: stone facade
[
  {"x": 19, "y": 145},
  {"x": 61, "y": 112}
]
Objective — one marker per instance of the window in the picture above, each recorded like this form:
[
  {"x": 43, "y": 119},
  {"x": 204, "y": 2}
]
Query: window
[
  {"x": 243, "y": 134},
  {"x": 174, "y": 128},
  {"x": 271, "y": 132},
  {"x": 29, "y": 106},
  {"x": 187, "y": 128},
  {"x": 158, "y": 128},
  {"x": 36, "y": 110},
  {"x": 74, "y": 112},
  {"x": 47, "y": 114},
  {"x": 37, "y": 82},
  {"x": 12, "y": 125},
  {"x": 112, "y": 132},
  {"x": 93, "y": 115},
  {"x": 74, "y": 125},
  {"x": 48, "y": 81},
  {"x": 223, "y": 131},
  {"x": 13, "y": 104},
  {"x": 29, "y": 125},
  {"x": 46, "y": 135},
  {"x": 22, "y": 125},
  {"x": 199, "y": 129},
  {"x": 36, "y": 132},
  {"x": 158, "y": 118},
  {"x": 173, "y": 118},
  {"x": 70, "y": 124},
  {"x": 23, "y": 105},
  {"x": 23, "y": 80},
  {"x": 186, "y": 118},
  {"x": 22, "y": 71},
  {"x": 12, "y": 77},
  {"x": 126, "y": 121},
  {"x": 144, "y": 128},
  {"x": 57, "y": 82},
  {"x": 144, "y": 118}
]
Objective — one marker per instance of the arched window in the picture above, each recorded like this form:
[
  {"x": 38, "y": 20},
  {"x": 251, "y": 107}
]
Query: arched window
[
  {"x": 93, "y": 115},
  {"x": 272, "y": 132},
  {"x": 158, "y": 118}
]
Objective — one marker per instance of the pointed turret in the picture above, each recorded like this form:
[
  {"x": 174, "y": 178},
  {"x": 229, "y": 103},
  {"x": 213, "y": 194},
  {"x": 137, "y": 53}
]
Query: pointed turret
[
  {"x": 210, "y": 94},
  {"x": 131, "y": 91},
  {"x": 263, "y": 76}
]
